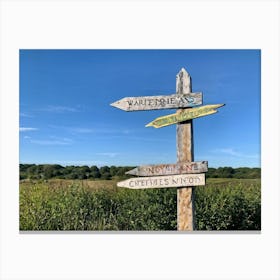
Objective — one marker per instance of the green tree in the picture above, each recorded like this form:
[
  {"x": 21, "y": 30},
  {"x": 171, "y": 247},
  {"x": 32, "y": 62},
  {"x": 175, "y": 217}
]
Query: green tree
[
  {"x": 85, "y": 171},
  {"x": 31, "y": 170},
  {"x": 95, "y": 173},
  {"x": 113, "y": 170},
  {"x": 105, "y": 172}
]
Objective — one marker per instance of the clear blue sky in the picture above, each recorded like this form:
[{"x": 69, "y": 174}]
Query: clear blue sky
[{"x": 66, "y": 117}]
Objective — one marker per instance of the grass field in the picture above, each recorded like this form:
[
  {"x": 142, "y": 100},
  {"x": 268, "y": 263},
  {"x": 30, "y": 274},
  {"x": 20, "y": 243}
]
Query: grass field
[{"x": 223, "y": 204}]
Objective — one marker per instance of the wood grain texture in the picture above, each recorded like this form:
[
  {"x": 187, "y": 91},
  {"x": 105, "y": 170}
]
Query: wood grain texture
[
  {"x": 170, "y": 169},
  {"x": 172, "y": 101},
  {"x": 184, "y": 132}
]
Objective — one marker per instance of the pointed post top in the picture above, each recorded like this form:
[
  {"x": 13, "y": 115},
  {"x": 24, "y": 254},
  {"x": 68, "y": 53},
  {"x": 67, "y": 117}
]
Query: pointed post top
[
  {"x": 183, "y": 82},
  {"x": 184, "y": 72}
]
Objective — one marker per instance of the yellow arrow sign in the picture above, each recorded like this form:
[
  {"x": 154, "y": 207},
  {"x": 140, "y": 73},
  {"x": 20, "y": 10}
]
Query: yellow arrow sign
[{"x": 185, "y": 115}]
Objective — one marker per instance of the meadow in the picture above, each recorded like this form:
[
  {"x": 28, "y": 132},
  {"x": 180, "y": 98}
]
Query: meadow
[{"x": 98, "y": 205}]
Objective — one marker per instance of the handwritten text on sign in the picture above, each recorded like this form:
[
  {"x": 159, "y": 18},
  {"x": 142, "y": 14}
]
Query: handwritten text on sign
[
  {"x": 164, "y": 181},
  {"x": 185, "y": 115},
  {"x": 170, "y": 169},
  {"x": 159, "y": 102}
]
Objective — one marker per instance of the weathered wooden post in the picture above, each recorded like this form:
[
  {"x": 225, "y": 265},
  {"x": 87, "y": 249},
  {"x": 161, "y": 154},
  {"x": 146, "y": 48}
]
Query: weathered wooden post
[
  {"x": 184, "y": 133},
  {"x": 185, "y": 174}
]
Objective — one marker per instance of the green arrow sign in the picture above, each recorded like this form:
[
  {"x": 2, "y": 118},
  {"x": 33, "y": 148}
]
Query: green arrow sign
[{"x": 185, "y": 115}]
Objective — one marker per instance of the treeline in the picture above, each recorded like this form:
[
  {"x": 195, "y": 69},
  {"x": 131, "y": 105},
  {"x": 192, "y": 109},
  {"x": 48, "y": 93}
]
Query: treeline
[
  {"x": 238, "y": 173},
  {"x": 48, "y": 171}
]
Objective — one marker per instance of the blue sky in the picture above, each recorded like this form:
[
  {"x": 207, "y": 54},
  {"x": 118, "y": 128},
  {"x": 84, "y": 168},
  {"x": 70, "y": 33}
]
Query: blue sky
[{"x": 66, "y": 117}]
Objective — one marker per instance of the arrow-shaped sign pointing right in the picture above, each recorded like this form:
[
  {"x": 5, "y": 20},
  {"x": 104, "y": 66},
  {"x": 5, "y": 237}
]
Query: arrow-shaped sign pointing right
[{"x": 185, "y": 115}]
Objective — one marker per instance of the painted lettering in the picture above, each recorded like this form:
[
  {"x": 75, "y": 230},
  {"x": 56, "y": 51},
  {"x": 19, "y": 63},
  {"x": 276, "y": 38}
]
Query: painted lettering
[
  {"x": 175, "y": 181},
  {"x": 130, "y": 102},
  {"x": 183, "y": 181},
  {"x": 191, "y": 180}
]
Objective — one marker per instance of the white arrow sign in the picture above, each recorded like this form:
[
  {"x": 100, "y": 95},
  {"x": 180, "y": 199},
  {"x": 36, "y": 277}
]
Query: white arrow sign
[
  {"x": 164, "y": 181},
  {"x": 170, "y": 169},
  {"x": 172, "y": 101}
]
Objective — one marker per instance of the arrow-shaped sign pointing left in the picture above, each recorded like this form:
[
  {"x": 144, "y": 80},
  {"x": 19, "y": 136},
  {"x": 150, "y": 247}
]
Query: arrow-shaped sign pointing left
[{"x": 172, "y": 101}]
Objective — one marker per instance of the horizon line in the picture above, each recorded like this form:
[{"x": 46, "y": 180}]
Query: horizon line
[{"x": 98, "y": 165}]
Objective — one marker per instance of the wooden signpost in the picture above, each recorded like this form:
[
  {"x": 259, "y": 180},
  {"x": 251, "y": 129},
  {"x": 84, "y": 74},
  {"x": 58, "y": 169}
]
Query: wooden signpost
[
  {"x": 184, "y": 137},
  {"x": 170, "y": 169},
  {"x": 164, "y": 181},
  {"x": 158, "y": 102},
  {"x": 186, "y": 173},
  {"x": 184, "y": 115}
]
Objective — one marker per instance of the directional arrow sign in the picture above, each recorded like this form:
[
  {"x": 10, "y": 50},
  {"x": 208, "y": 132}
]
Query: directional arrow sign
[
  {"x": 185, "y": 115},
  {"x": 158, "y": 102},
  {"x": 170, "y": 169},
  {"x": 164, "y": 181}
]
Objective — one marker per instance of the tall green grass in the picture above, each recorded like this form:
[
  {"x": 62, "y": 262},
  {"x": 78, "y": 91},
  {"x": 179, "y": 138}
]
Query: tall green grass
[
  {"x": 220, "y": 205},
  {"x": 229, "y": 204}
]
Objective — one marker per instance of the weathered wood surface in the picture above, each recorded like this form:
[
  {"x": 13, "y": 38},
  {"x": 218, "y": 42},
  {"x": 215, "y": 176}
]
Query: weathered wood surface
[
  {"x": 184, "y": 115},
  {"x": 163, "y": 181},
  {"x": 170, "y": 169},
  {"x": 172, "y": 101},
  {"x": 184, "y": 137}
]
